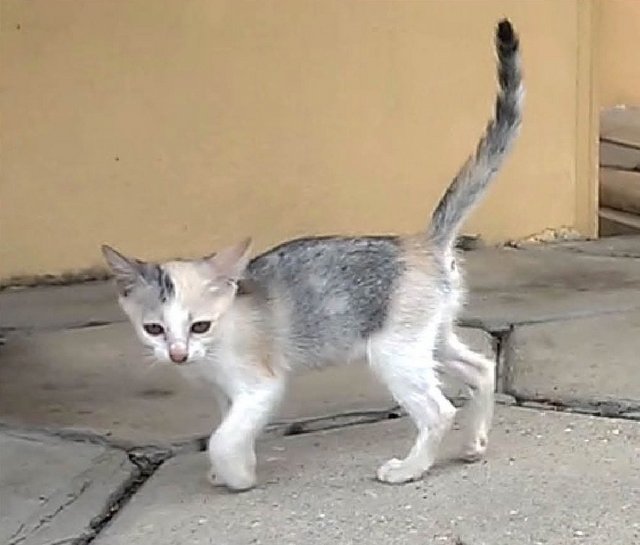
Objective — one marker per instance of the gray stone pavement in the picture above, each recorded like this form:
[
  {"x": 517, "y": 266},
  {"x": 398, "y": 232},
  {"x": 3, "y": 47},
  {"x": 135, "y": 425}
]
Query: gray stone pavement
[
  {"x": 53, "y": 491},
  {"x": 589, "y": 358},
  {"x": 561, "y": 321},
  {"x": 549, "y": 478}
]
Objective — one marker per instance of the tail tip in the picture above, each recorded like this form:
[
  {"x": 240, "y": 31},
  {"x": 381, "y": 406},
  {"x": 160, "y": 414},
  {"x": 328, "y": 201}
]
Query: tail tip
[{"x": 506, "y": 35}]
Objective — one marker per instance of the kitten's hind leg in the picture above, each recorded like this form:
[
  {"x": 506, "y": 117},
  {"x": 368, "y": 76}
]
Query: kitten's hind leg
[
  {"x": 232, "y": 445},
  {"x": 478, "y": 374},
  {"x": 408, "y": 370}
]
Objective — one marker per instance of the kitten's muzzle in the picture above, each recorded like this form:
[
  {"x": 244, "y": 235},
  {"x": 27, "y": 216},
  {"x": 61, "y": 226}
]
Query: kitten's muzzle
[{"x": 178, "y": 353}]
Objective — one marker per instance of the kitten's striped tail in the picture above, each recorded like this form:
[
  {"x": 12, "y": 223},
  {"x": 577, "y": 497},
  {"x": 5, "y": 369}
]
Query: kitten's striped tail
[{"x": 473, "y": 178}]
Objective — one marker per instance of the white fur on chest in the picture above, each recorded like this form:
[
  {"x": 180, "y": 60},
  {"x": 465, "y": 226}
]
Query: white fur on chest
[{"x": 232, "y": 363}]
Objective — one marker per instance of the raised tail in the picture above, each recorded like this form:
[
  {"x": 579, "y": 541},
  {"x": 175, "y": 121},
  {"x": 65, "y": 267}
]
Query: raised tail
[{"x": 473, "y": 178}]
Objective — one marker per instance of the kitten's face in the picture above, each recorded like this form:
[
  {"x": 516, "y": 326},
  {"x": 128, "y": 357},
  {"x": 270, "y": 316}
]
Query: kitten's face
[{"x": 175, "y": 307}]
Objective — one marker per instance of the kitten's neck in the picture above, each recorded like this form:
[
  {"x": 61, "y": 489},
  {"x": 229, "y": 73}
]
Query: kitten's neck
[{"x": 239, "y": 324}]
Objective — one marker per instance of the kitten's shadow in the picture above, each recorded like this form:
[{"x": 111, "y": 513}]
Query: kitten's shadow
[{"x": 442, "y": 467}]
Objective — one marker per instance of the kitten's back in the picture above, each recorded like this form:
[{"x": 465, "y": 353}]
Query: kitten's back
[{"x": 327, "y": 295}]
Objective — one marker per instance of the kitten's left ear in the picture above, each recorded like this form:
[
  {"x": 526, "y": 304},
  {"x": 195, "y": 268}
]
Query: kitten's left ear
[{"x": 232, "y": 261}]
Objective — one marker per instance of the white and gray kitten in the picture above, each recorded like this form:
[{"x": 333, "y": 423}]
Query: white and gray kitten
[{"x": 243, "y": 324}]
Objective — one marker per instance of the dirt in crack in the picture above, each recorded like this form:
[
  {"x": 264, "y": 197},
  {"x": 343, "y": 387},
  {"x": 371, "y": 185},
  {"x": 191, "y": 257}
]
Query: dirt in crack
[{"x": 147, "y": 463}]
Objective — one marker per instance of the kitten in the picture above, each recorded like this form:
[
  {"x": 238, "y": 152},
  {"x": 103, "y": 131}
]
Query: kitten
[{"x": 243, "y": 324}]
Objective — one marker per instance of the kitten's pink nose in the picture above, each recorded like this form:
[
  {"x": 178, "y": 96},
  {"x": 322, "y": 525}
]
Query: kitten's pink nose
[{"x": 178, "y": 353}]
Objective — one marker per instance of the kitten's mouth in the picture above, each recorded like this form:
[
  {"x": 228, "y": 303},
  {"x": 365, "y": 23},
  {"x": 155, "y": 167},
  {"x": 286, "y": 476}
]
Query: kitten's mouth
[
  {"x": 183, "y": 363},
  {"x": 179, "y": 361}
]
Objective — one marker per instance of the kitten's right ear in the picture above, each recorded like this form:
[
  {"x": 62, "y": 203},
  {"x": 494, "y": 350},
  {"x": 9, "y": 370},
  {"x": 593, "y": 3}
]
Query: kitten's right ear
[
  {"x": 231, "y": 262},
  {"x": 125, "y": 270}
]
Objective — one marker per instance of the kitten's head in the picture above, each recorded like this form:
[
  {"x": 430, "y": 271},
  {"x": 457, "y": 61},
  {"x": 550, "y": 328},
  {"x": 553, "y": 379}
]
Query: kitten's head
[{"x": 175, "y": 306}]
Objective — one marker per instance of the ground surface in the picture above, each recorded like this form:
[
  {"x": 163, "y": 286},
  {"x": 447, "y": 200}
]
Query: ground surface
[
  {"x": 97, "y": 445},
  {"x": 318, "y": 488}
]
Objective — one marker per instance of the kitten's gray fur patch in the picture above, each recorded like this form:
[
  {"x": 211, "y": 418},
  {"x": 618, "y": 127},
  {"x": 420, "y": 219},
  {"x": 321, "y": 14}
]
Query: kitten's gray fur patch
[
  {"x": 167, "y": 288},
  {"x": 157, "y": 278},
  {"x": 336, "y": 289}
]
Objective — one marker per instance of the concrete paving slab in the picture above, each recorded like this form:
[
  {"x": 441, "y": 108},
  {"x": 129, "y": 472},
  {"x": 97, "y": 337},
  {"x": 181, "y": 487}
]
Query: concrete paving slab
[
  {"x": 51, "y": 491},
  {"x": 620, "y": 246},
  {"x": 499, "y": 311},
  {"x": 590, "y": 359},
  {"x": 551, "y": 282},
  {"x": 96, "y": 379},
  {"x": 550, "y": 478},
  {"x": 58, "y": 307},
  {"x": 554, "y": 266}
]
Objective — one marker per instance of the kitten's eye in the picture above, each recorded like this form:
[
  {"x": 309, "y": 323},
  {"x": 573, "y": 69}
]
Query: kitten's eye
[
  {"x": 153, "y": 329},
  {"x": 200, "y": 327}
]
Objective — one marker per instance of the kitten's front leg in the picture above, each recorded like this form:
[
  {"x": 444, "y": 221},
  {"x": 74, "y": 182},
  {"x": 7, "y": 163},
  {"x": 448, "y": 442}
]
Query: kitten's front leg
[
  {"x": 232, "y": 445},
  {"x": 223, "y": 403}
]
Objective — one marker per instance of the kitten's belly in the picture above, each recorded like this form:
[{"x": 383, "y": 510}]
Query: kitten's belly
[
  {"x": 327, "y": 356},
  {"x": 224, "y": 373}
]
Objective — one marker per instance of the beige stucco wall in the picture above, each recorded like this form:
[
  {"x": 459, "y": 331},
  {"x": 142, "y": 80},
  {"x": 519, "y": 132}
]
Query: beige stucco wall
[
  {"x": 171, "y": 127},
  {"x": 618, "y": 56}
]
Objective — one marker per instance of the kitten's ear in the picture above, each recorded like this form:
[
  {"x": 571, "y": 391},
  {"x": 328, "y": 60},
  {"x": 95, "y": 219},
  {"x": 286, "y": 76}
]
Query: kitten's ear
[
  {"x": 232, "y": 261},
  {"x": 125, "y": 270}
]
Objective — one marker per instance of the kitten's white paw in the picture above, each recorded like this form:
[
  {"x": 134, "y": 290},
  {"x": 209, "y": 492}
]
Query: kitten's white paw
[
  {"x": 240, "y": 481},
  {"x": 234, "y": 480},
  {"x": 234, "y": 467},
  {"x": 476, "y": 450},
  {"x": 397, "y": 471}
]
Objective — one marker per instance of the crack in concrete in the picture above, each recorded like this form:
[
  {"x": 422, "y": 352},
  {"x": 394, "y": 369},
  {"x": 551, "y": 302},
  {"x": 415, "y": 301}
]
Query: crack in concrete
[
  {"x": 146, "y": 466},
  {"x": 73, "y": 497},
  {"x": 17, "y": 532},
  {"x": 623, "y": 410},
  {"x": 63, "y": 541},
  {"x": 497, "y": 326},
  {"x": 75, "y": 436},
  {"x": 94, "y": 323},
  {"x": 500, "y": 340},
  {"x": 70, "y": 326},
  {"x": 618, "y": 255}
]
